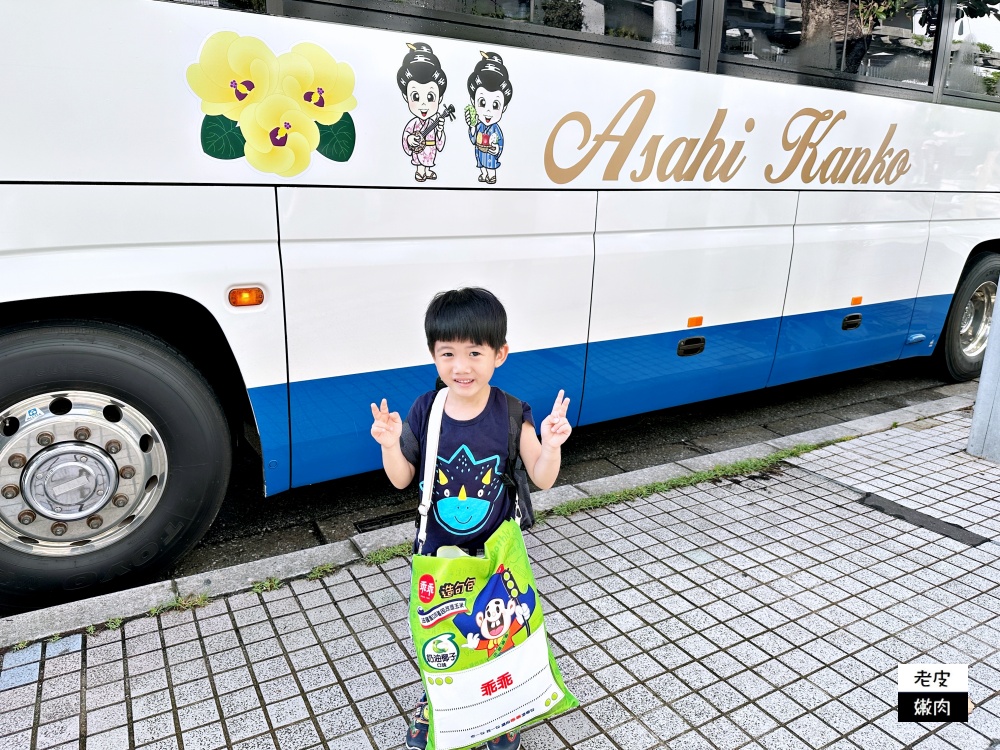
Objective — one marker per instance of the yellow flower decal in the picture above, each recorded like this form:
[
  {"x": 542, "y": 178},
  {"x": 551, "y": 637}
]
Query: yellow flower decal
[
  {"x": 323, "y": 87},
  {"x": 232, "y": 73},
  {"x": 280, "y": 137},
  {"x": 273, "y": 111}
]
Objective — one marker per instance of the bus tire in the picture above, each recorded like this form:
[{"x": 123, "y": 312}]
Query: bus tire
[
  {"x": 114, "y": 460},
  {"x": 966, "y": 329}
]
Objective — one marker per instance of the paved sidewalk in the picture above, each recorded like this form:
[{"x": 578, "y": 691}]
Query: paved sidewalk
[{"x": 761, "y": 612}]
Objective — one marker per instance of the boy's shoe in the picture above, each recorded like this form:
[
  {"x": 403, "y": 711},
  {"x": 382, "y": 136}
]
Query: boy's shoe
[
  {"x": 416, "y": 735},
  {"x": 509, "y": 741}
]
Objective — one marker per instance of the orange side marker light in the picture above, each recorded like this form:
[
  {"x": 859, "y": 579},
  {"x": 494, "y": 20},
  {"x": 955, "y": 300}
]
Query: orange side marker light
[
  {"x": 855, "y": 301},
  {"x": 695, "y": 321},
  {"x": 246, "y": 296}
]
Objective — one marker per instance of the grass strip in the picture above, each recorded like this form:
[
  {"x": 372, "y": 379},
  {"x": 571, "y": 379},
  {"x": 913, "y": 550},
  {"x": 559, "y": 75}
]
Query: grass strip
[
  {"x": 746, "y": 466},
  {"x": 382, "y": 556},
  {"x": 320, "y": 571},
  {"x": 268, "y": 584},
  {"x": 179, "y": 603}
]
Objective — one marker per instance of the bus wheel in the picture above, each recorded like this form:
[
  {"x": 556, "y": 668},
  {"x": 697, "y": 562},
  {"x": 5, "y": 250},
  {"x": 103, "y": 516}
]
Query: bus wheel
[
  {"x": 967, "y": 328},
  {"x": 114, "y": 459}
]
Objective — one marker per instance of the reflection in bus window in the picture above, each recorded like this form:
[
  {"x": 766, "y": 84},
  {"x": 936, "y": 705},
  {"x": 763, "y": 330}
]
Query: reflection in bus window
[
  {"x": 666, "y": 23},
  {"x": 975, "y": 54},
  {"x": 884, "y": 39},
  {"x": 252, "y": 6}
]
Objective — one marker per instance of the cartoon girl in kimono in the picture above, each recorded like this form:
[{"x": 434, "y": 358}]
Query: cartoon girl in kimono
[
  {"x": 490, "y": 90},
  {"x": 423, "y": 83}
]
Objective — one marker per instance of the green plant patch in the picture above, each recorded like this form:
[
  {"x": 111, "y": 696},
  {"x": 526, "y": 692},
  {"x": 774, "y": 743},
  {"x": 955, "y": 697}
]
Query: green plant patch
[
  {"x": 268, "y": 584},
  {"x": 320, "y": 571},
  {"x": 382, "y": 556}
]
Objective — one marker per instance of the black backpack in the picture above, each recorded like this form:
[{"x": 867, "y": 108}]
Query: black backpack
[{"x": 515, "y": 477}]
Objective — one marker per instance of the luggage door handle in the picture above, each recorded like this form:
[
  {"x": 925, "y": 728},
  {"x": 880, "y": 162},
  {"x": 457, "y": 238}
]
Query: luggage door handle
[
  {"x": 690, "y": 347},
  {"x": 851, "y": 322}
]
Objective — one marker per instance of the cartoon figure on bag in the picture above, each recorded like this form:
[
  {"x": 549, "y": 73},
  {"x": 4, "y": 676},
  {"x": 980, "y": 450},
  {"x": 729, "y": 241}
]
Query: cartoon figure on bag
[
  {"x": 422, "y": 83},
  {"x": 490, "y": 91},
  {"x": 501, "y": 611}
]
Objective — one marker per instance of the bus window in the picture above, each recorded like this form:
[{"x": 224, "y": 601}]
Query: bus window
[
  {"x": 663, "y": 23},
  {"x": 833, "y": 36},
  {"x": 253, "y": 6},
  {"x": 975, "y": 55}
]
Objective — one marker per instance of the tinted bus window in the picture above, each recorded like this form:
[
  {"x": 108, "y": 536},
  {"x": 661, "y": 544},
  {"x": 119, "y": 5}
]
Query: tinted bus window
[
  {"x": 665, "y": 23},
  {"x": 975, "y": 55},
  {"x": 887, "y": 40}
]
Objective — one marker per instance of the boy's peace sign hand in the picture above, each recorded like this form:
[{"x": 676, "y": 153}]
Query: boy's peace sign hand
[
  {"x": 555, "y": 427},
  {"x": 387, "y": 427}
]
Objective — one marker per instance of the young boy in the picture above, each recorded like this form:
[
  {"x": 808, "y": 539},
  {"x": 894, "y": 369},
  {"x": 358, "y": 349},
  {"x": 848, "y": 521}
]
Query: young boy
[{"x": 467, "y": 337}]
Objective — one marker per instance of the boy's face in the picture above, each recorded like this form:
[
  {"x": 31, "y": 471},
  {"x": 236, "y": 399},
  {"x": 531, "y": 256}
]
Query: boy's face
[{"x": 467, "y": 368}]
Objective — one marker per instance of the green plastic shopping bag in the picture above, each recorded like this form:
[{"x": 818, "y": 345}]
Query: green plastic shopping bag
[{"x": 479, "y": 634}]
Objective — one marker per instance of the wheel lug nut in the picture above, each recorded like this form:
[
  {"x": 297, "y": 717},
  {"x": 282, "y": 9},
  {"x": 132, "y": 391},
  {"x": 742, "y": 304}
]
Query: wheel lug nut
[
  {"x": 127, "y": 472},
  {"x": 81, "y": 434},
  {"x": 58, "y": 528},
  {"x": 119, "y": 501},
  {"x": 26, "y": 516},
  {"x": 44, "y": 438},
  {"x": 113, "y": 446},
  {"x": 10, "y": 492},
  {"x": 17, "y": 461},
  {"x": 95, "y": 522}
]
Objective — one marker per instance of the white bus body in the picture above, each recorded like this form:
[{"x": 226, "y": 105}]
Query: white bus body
[{"x": 636, "y": 209}]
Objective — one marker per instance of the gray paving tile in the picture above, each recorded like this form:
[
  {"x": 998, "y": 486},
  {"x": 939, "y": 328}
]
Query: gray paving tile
[
  {"x": 631, "y": 736},
  {"x": 114, "y": 738},
  {"x": 246, "y": 725},
  {"x": 209, "y": 737}
]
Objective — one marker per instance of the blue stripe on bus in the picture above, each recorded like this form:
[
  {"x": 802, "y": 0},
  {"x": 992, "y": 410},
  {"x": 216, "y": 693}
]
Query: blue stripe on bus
[
  {"x": 331, "y": 417},
  {"x": 929, "y": 314},
  {"x": 270, "y": 410},
  {"x": 815, "y": 344},
  {"x": 644, "y": 373}
]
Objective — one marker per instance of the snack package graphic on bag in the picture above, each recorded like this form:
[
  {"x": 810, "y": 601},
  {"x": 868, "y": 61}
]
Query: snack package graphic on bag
[{"x": 480, "y": 639}]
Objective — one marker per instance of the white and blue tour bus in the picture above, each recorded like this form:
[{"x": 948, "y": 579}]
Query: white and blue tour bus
[{"x": 221, "y": 220}]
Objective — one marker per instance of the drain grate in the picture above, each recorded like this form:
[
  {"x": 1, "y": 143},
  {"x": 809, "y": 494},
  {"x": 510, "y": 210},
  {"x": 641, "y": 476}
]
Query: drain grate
[
  {"x": 383, "y": 522},
  {"x": 922, "y": 520}
]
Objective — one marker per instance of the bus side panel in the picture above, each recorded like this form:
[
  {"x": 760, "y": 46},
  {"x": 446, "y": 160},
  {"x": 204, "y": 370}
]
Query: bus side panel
[
  {"x": 855, "y": 253},
  {"x": 673, "y": 266},
  {"x": 197, "y": 242},
  {"x": 360, "y": 268},
  {"x": 959, "y": 223}
]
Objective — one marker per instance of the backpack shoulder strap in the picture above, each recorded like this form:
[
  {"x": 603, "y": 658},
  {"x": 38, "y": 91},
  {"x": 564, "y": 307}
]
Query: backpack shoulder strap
[
  {"x": 430, "y": 462},
  {"x": 515, "y": 416}
]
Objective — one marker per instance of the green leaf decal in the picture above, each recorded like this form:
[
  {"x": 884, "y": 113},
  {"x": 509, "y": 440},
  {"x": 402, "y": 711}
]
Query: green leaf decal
[
  {"x": 337, "y": 141},
  {"x": 221, "y": 137}
]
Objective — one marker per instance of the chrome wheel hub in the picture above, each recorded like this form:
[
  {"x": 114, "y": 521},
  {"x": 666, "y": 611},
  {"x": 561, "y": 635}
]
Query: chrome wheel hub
[
  {"x": 69, "y": 481},
  {"x": 78, "y": 471},
  {"x": 974, "y": 329}
]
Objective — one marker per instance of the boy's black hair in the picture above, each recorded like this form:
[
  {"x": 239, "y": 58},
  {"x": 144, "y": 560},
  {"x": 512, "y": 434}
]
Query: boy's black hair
[{"x": 469, "y": 314}]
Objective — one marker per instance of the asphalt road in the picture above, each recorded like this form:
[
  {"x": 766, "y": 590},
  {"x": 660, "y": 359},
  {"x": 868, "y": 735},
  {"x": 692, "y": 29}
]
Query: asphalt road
[{"x": 250, "y": 527}]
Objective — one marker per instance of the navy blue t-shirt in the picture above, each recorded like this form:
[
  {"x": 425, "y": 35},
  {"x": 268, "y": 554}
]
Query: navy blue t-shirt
[{"x": 469, "y": 501}]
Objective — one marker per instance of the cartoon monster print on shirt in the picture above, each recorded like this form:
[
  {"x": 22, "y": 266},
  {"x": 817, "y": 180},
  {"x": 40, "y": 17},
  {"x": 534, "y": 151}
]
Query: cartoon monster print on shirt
[
  {"x": 464, "y": 491},
  {"x": 497, "y": 615}
]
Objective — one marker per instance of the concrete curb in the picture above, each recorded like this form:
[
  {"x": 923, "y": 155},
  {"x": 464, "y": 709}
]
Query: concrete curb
[{"x": 134, "y": 602}]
